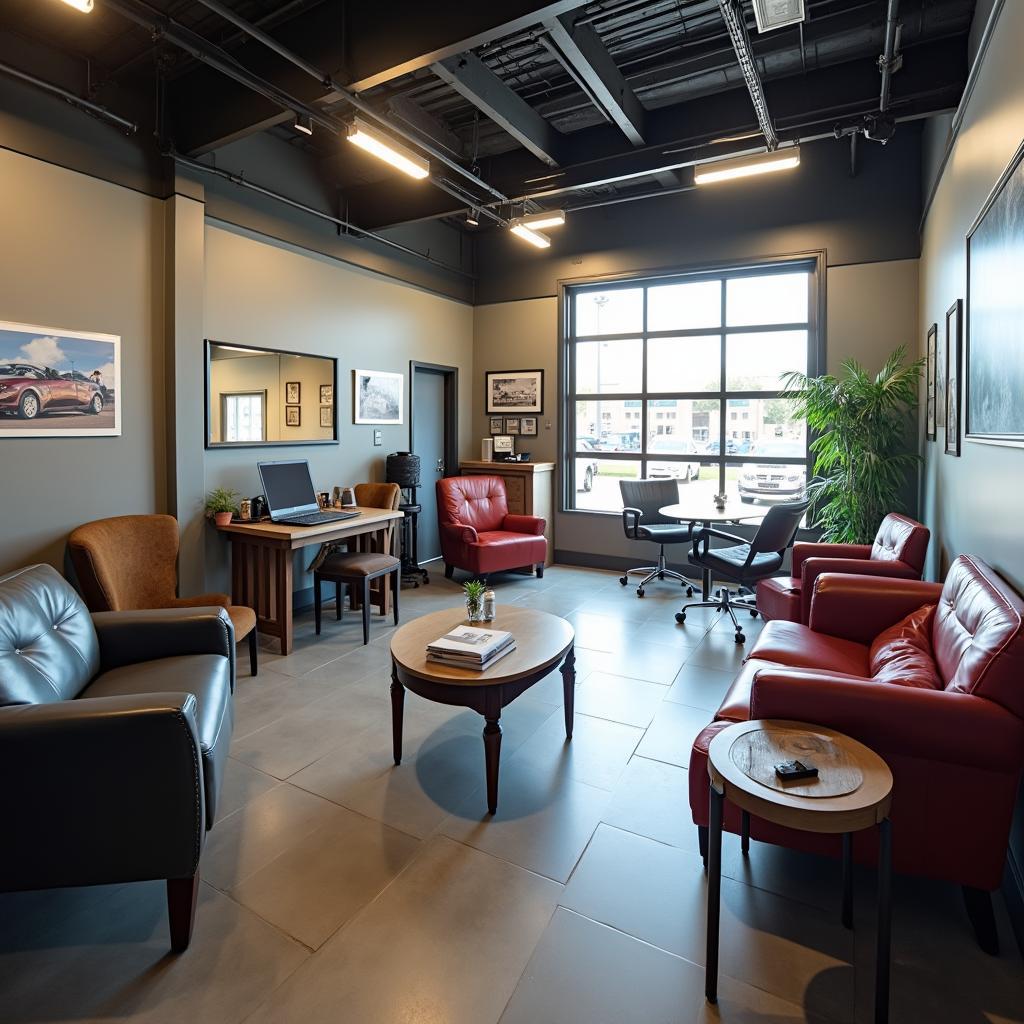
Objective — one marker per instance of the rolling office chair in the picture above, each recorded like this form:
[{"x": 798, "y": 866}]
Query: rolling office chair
[
  {"x": 745, "y": 563},
  {"x": 642, "y": 501}
]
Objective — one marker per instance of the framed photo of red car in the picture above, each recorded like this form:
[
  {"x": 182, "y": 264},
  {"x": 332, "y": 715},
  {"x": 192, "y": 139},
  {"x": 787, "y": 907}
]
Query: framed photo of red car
[{"x": 56, "y": 382}]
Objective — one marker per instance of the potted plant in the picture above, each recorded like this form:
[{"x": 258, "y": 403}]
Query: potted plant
[
  {"x": 474, "y": 590},
  {"x": 221, "y": 505},
  {"x": 862, "y": 451}
]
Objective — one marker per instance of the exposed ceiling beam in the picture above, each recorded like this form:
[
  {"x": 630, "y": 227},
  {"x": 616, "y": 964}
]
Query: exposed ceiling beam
[{"x": 472, "y": 79}]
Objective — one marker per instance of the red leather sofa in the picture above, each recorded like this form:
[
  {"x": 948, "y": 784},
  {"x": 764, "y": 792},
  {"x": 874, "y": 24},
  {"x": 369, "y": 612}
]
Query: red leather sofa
[
  {"x": 899, "y": 549},
  {"x": 477, "y": 532},
  {"x": 929, "y": 676}
]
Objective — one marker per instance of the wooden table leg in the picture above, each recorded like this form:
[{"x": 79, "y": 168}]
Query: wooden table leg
[
  {"x": 283, "y": 595},
  {"x": 492, "y": 756},
  {"x": 847, "y": 879},
  {"x": 569, "y": 689},
  {"x": 397, "y": 714},
  {"x": 714, "y": 894}
]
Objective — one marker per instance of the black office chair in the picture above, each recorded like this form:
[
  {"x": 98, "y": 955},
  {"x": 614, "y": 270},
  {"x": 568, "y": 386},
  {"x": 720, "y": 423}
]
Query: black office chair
[
  {"x": 745, "y": 563},
  {"x": 642, "y": 520}
]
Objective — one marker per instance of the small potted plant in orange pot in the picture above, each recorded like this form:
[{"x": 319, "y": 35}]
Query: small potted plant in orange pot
[{"x": 221, "y": 505}]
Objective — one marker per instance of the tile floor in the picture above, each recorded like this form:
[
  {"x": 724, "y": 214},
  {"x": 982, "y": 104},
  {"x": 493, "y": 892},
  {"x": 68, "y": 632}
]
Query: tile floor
[{"x": 339, "y": 888}]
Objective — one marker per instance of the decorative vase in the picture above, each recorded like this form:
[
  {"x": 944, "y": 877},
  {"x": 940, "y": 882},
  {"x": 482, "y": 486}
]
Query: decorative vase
[
  {"x": 474, "y": 610},
  {"x": 222, "y": 518}
]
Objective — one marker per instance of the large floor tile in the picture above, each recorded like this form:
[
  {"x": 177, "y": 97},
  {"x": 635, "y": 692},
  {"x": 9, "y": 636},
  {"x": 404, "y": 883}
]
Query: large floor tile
[
  {"x": 599, "y": 632},
  {"x": 619, "y": 698},
  {"x": 242, "y": 784},
  {"x": 698, "y": 686},
  {"x": 652, "y": 799},
  {"x": 321, "y": 881},
  {"x": 577, "y": 975},
  {"x": 670, "y": 736},
  {"x": 446, "y": 941}
]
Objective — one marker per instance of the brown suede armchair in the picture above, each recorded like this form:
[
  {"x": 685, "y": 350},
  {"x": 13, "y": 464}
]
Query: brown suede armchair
[{"x": 128, "y": 563}]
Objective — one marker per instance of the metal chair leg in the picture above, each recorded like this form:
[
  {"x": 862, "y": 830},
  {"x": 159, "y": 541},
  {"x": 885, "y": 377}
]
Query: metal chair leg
[
  {"x": 317, "y": 605},
  {"x": 366, "y": 610}
]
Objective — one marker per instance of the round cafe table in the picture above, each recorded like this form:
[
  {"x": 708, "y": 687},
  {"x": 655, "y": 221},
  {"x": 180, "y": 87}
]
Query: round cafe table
[{"x": 706, "y": 512}]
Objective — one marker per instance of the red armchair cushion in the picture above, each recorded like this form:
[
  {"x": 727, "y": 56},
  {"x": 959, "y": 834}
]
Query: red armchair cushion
[
  {"x": 903, "y": 653},
  {"x": 901, "y": 539},
  {"x": 477, "y": 501},
  {"x": 524, "y": 524},
  {"x": 860, "y": 607},
  {"x": 789, "y": 643},
  {"x": 778, "y": 597}
]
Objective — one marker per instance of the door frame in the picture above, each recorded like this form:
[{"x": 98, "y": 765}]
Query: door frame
[{"x": 451, "y": 410}]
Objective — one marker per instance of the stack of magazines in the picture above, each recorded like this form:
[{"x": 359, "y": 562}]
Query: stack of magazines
[{"x": 470, "y": 647}]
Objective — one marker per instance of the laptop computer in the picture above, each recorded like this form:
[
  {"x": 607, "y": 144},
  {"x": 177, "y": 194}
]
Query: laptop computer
[{"x": 288, "y": 488}]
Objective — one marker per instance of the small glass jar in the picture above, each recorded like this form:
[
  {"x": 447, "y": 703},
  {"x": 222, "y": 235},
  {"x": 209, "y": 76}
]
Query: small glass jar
[
  {"x": 489, "y": 606},
  {"x": 474, "y": 609}
]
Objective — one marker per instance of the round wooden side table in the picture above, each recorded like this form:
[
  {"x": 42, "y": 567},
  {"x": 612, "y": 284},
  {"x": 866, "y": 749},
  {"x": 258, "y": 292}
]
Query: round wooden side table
[{"x": 853, "y": 791}]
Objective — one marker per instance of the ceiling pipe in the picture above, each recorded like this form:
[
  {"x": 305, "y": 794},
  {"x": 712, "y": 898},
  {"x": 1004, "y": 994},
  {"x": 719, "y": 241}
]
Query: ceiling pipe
[
  {"x": 350, "y": 97},
  {"x": 736, "y": 25},
  {"x": 128, "y": 127},
  {"x": 890, "y": 60}
]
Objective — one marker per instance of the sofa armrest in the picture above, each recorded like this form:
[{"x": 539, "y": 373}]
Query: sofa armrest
[
  {"x": 459, "y": 533},
  {"x": 860, "y": 607},
  {"x": 524, "y": 524},
  {"x": 812, "y": 568},
  {"x": 127, "y": 638},
  {"x": 935, "y": 725},
  {"x": 804, "y": 550},
  {"x": 100, "y": 790}
]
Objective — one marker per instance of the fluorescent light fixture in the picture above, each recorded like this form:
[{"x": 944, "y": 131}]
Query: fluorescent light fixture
[
  {"x": 473, "y": 218},
  {"x": 778, "y": 13},
  {"x": 545, "y": 219},
  {"x": 303, "y": 123},
  {"x": 85, "y": 6},
  {"x": 237, "y": 348},
  {"x": 536, "y": 238},
  {"x": 744, "y": 166},
  {"x": 385, "y": 148}
]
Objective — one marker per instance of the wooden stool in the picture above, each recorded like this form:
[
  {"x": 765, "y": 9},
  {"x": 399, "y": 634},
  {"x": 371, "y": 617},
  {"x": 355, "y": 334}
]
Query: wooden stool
[{"x": 357, "y": 569}]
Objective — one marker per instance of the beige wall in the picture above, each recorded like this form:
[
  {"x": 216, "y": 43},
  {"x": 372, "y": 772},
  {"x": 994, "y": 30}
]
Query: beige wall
[{"x": 85, "y": 255}]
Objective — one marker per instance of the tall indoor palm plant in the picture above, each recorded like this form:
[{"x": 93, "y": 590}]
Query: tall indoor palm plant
[{"x": 861, "y": 456}]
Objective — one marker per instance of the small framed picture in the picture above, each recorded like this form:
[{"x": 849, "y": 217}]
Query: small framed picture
[
  {"x": 293, "y": 415},
  {"x": 528, "y": 426},
  {"x": 497, "y": 424},
  {"x": 503, "y": 444},
  {"x": 326, "y": 416},
  {"x": 327, "y": 394},
  {"x": 293, "y": 393},
  {"x": 954, "y": 334},
  {"x": 930, "y": 375},
  {"x": 511, "y": 424}
]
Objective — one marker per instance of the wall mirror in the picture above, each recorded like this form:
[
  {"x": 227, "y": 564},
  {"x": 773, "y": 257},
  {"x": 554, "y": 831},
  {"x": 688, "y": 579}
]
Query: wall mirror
[{"x": 259, "y": 396}]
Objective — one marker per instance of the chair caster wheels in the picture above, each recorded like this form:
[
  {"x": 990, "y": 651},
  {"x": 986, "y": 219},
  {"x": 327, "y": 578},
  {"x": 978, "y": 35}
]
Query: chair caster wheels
[
  {"x": 623, "y": 580},
  {"x": 753, "y": 615},
  {"x": 661, "y": 575},
  {"x": 740, "y": 638},
  {"x": 689, "y": 591},
  {"x": 680, "y": 617},
  {"x": 639, "y": 591}
]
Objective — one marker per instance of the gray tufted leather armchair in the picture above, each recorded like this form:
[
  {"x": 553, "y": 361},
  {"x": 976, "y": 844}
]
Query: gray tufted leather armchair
[{"x": 114, "y": 734}]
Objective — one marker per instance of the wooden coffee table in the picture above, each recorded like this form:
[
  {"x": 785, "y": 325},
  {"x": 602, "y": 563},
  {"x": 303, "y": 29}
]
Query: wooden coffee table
[
  {"x": 543, "y": 643},
  {"x": 853, "y": 791}
]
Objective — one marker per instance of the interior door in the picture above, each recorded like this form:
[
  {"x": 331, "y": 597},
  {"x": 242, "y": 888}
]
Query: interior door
[{"x": 429, "y": 444}]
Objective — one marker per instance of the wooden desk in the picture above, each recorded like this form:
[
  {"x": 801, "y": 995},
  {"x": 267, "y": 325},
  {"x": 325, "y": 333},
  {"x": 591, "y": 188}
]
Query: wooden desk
[{"x": 261, "y": 562}]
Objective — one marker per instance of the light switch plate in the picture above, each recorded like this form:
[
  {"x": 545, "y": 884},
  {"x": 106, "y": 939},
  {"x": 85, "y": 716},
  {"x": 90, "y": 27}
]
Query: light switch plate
[{"x": 378, "y": 437}]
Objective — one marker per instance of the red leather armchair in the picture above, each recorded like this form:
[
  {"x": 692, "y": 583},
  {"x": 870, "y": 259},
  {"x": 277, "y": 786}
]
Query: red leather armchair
[
  {"x": 899, "y": 549},
  {"x": 477, "y": 532},
  {"x": 948, "y": 720}
]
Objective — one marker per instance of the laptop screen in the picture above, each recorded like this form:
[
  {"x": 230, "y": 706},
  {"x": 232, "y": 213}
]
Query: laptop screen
[{"x": 288, "y": 488}]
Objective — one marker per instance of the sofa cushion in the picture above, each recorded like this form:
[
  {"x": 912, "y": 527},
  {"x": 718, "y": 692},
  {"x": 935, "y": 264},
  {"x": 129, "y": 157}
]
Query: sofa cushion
[
  {"x": 798, "y": 646},
  {"x": 208, "y": 676},
  {"x": 903, "y": 653},
  {"x": 901, "y": 539},
  {"x": 48, "y": 645}
]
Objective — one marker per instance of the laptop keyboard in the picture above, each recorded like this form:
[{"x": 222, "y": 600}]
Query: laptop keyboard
[{"x": 317, "y": 518}]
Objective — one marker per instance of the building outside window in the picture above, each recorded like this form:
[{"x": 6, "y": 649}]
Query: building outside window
[{"x": 680, "y": 378}]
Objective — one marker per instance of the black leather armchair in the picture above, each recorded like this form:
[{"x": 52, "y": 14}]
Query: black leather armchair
[{"x": 114, "y": 733}]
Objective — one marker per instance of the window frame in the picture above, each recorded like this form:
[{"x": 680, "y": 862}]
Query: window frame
[
  {"x": 813, "y": 262},
  {"x": 259, "y": 393}
]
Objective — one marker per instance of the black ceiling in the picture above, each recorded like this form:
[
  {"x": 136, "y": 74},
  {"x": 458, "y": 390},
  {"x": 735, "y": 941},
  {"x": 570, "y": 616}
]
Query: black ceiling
[{"x": 563, "y": 97}]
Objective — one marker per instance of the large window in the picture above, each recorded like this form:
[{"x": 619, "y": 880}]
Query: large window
[{"x": 679, "y": 378}]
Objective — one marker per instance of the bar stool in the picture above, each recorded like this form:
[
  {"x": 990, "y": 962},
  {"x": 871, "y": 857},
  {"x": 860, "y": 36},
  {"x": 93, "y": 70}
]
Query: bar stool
[{"x": 357, "y": 569}]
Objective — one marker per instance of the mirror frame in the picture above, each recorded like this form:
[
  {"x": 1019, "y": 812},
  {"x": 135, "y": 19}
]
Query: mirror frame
[{"x": 212, "y": 445}]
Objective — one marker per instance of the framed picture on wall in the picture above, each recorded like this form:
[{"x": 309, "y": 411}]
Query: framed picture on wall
[
  {"x": 514, "y": 392},
  {"x": 293, "y": 416},
  {"x": 326, "y": 416},
  {"x": 929, "y": 382},
  {"x": 378, "y": 396},
  {"x": 954, "y": 333},
  {"x": 512, "y": 425},
  {"x": 528, "y": 426},
  {"x": 994, "y": 343},
  {"x": 496, "y": 424},
  {"x": 56, "y": 382},
  {"x": 327, "y": 394},
  {"x": 293, "y": 393}
]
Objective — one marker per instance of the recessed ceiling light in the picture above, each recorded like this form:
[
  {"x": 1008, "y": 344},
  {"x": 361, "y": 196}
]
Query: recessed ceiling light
[
  {"x": 303, "y": 123},
  {"x": 544, "y": 219},
  {"x": 85, "y": 6},
  {"x": 536, "y": 238},
  {"x": 385, "y": 148},
  {"x": 778, "y": 13},
  {"x": 745, "y": 166}
]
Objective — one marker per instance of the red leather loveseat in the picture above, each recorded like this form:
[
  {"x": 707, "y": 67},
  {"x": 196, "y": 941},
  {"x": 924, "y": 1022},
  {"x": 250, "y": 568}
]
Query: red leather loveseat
[
  {"x": 477, "y": 532},
  {"x": 899, "y": 549},
  {"x": 929, "y": 676}
]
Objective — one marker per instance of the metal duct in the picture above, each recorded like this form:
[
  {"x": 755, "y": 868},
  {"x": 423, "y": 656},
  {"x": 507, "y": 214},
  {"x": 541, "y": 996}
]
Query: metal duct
[
  {"x": 890, "y": 60},
  {"x": 736, "y": 25}
]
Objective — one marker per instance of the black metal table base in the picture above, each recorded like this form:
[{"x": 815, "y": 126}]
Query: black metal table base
[{"x": 412, "y": 573}]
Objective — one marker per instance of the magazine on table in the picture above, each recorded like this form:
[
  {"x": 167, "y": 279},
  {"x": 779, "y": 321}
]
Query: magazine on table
[
  {"x": 462, "y": 662},
  {"x": 471, "y": 644}
]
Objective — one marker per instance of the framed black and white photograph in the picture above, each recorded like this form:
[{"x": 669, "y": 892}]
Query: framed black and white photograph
[
  {"x": 994, "y": 344},
  {"x": 512, "y": 425},
  {"x": 293, "y": 393},
  {"x": 56, "y": 382},
  {"x": 378, "y": 396},
  {"x": 496, "y": 424},
  {"x": 326, "y": 415},
  {"x": 954, "y": 336},
  {"x": 528, "y": 426},
  {"x": 515, "y": 392},
  {"x": 929, "y": 382},
  {"x": 293, "y": 416},
  {"x": 327, "y": 394},
  {"x": 503, "y": 444}
]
